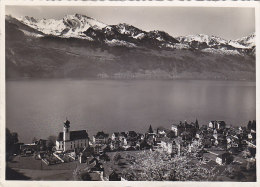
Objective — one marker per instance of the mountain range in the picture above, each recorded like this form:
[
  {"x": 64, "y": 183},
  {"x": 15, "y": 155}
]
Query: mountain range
[{"x": 79, "y": 46}]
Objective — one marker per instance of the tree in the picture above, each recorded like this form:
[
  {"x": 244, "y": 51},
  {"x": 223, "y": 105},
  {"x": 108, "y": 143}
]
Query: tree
[
  {"x": 156, "y": 166},
  {"x": 34, "y": 140},
  {"x": 51, "y": 142},
  {"x": 254, "y": 125},
  {"x": 11, "y": 140},
  {"x": 249, "y": 125},
  {"x": 117, "y": 157},
  {"x": 196, "y": 124},
  {"x": 144, "y": 145}
]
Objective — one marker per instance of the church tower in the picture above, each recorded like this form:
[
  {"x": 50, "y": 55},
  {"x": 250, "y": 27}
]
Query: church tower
[{"x": 66, "y": 130}]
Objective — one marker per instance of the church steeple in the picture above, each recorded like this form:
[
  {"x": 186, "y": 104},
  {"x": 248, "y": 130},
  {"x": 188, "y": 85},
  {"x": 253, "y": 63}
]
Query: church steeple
[
  {"x": 66, "y": 130},
  {"x": 67, "y": 123},
  {"x": 150, "y": 129}
]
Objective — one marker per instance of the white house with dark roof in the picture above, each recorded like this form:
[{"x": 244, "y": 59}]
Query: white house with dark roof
[
  {"x": 115, "y": 136},
  {"x": 69, "y": 140},
  {"x": 174, "y": 128},
  {"x": 100, "y": 138},
  {"x": 217, "y": 124}
]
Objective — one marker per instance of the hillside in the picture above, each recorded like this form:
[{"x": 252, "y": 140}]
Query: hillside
[{"x": 81, "y": 47}]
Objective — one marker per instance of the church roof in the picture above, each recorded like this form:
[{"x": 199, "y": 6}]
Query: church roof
[{"x": 74, "y": 135}]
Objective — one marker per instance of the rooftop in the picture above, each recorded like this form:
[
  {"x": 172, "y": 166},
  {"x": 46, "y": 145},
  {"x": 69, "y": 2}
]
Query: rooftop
[
  {"x": 101, "y": 135},
  {"x": 74, "y": 135}
]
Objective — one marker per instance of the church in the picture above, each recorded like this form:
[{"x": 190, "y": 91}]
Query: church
[{"x": 70, "y": 140}]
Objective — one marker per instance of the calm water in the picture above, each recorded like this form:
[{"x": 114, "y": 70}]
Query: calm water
[{"x": 38, "y": 108}]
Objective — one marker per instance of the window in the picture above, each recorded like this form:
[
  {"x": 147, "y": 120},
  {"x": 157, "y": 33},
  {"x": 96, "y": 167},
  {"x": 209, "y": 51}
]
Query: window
[{"x": 71, "y": 146}]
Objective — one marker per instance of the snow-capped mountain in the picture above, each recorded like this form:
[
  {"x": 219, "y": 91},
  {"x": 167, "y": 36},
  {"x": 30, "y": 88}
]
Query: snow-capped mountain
[
  {"x": 69, "y": 26},
  {"x": 202, "y": 38},
  {"x": 80, "y": 46},
  {"x": 217, "y": 45},
  {"x": 84, "y": 27},
  {"x": 247, "y": 41},
  {"x": 130, "y": 31}
]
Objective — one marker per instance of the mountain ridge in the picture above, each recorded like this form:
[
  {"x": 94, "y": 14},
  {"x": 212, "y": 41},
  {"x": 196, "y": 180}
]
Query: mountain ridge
[
  {"x": 78, "y": 25},
  {"x": 80, "y": 46}
]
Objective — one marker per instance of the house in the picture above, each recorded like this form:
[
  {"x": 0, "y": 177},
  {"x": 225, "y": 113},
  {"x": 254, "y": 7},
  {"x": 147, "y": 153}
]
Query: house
[
  {"x": 161, "y": 131},
  {"x": 186, "y": 135},
  {"x": 217, "y": 125},
  {"x": 225, "y": 158},
  {"x": 170, "y": 146},
  {"x": 171, "y": 134},
  {"x": 140, "y": 136},
  {"x": 174, "y": 128},
  {"x": 199, "y": 134},
  {"x": 100, "y": 138},
  {"x": 166, "y": 145},
  {"x": 123, "y": 142},
  {"x": 131, "y": 136},
  {"x": 150, "y": 139},
  {"x": 122, "y": 136},
  {"x": 115, "y": 136},
  {"x": 144, "y": 145},
  {"x": 118, "y": 136},
  {"x": 229, "y": 139},
  {"x": 99, "y": 149},
  {"x": 114, "y": 145},
  {"x": 39, "y": 145},
  {"x": 70, "y": 140}
]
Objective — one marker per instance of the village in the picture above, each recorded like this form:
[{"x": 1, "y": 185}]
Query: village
[{"x": 182, "y": 152}]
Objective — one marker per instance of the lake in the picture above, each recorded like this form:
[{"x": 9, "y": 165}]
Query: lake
[{"x": 37, "y": 108}]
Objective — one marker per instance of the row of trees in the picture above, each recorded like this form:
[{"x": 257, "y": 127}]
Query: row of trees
[{"x": 11, "y": 140}]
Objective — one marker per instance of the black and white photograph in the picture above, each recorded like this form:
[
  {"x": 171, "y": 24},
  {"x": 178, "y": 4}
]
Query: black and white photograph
[{"x": 130, "y": 93}]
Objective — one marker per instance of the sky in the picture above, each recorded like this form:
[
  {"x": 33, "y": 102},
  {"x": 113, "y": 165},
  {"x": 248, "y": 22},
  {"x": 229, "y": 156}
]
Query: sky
[{"x": 228, "y": 23}]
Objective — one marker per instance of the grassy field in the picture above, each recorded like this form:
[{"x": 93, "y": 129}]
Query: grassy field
[{"x": 33, "y": 169}]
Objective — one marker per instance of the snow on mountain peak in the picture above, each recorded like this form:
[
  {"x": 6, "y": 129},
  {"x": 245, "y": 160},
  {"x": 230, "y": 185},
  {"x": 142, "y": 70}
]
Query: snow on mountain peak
[
  {"x": 69, "y": 26},
  {"x": 247, "y": 41},
  {"x": 130, "y": 30},
  {"x": 123, "y": 34},
  {"x": 209, "y": 40},
  {"x": 82, "y": 22}
]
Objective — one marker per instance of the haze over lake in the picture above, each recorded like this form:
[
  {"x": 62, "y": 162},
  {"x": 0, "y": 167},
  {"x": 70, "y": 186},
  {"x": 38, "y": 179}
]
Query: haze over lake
[{"x": 38, "y": 108}]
